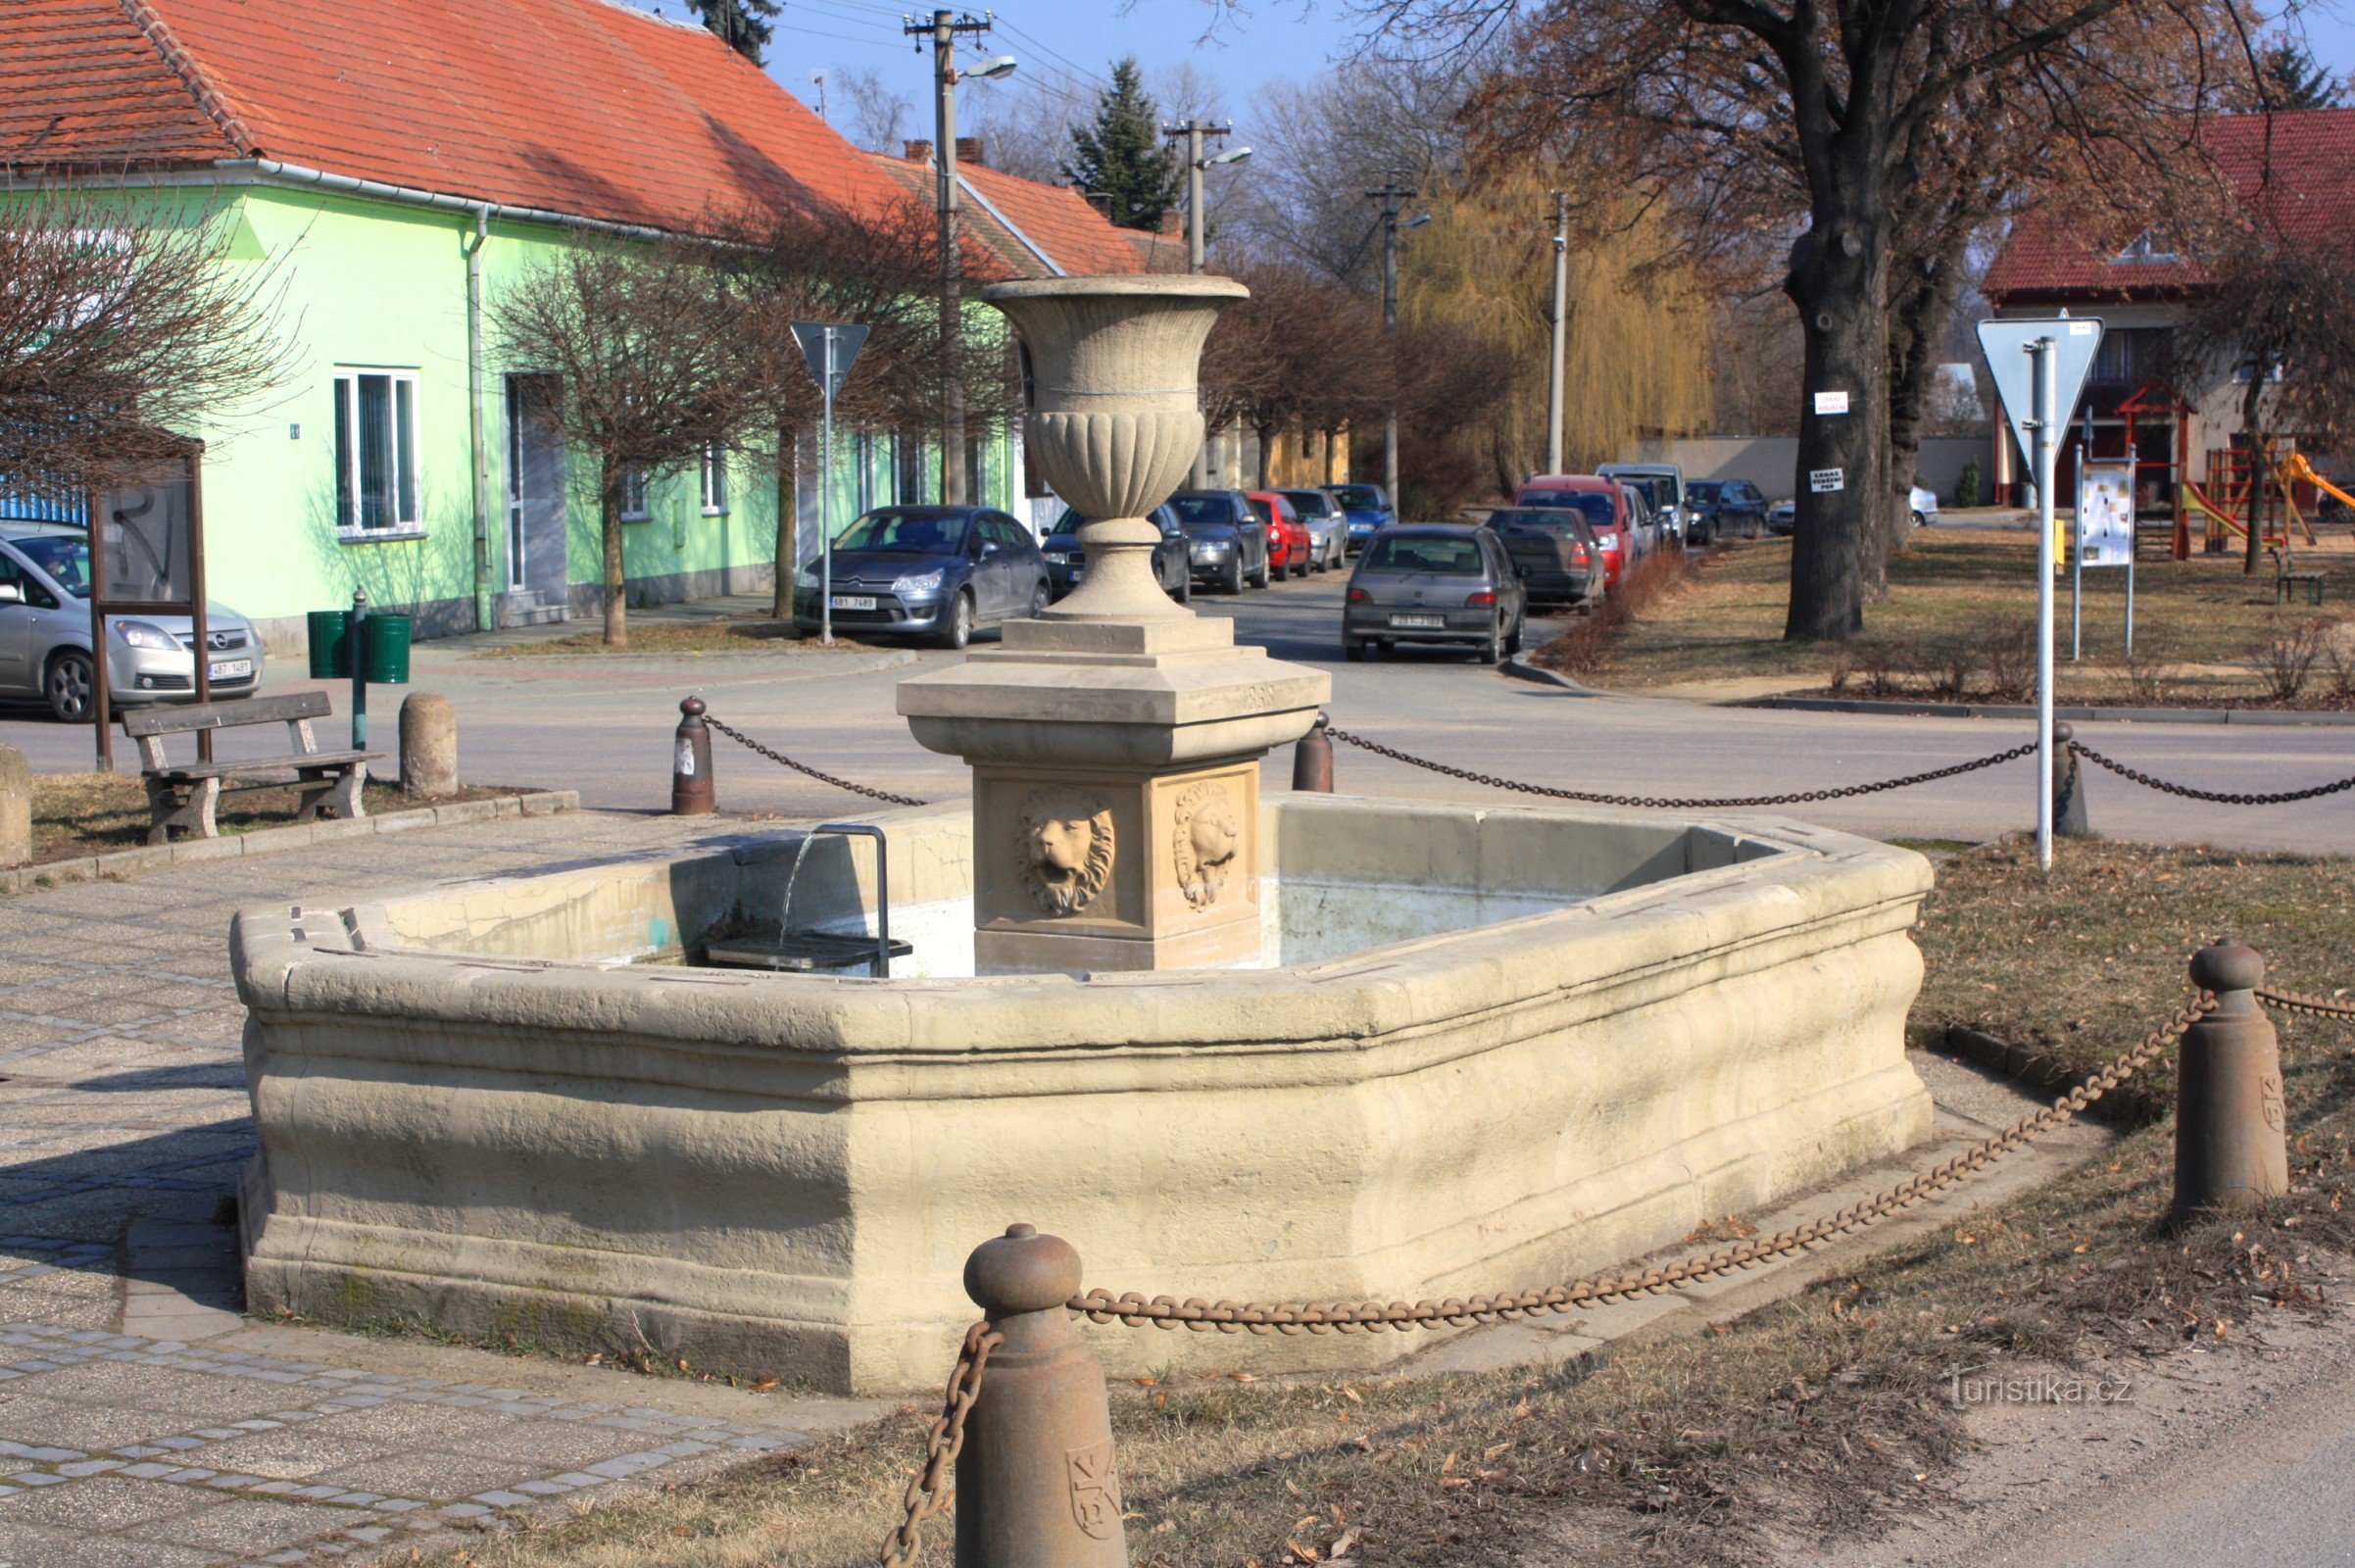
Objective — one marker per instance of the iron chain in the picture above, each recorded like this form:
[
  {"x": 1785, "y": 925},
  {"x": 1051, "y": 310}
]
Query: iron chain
[
  {"x": 782, "y": 760},
  {"x": 2296, "y": 1001},
  {"x": 1652, "y": 803},
  {"x": 2218, "y": 797},
  {"x": 1346, "y": 1317},
  {"x": 930, "y": 1487}
]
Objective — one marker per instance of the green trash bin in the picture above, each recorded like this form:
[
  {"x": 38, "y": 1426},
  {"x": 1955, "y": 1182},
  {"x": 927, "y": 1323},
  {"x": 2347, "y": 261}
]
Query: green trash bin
[
  {"x": 330, "y": 645},
  {"x": 385, "y": 655}
]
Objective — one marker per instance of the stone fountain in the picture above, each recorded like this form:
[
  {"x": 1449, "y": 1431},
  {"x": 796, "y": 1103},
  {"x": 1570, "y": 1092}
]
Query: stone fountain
[
  {"x": 1116, "y": 743},
  {"x": 1299, "y": 1047}
]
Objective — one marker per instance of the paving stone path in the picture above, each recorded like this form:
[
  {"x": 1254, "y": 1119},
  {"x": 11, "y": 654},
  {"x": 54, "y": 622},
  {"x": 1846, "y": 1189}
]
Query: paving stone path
[{"x": 144, "y": 1421}]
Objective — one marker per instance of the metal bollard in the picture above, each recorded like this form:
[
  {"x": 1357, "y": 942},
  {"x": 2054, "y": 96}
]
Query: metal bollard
[
  {"x": 2231, "y": 1149},
  {"x": 1036, "y": 1486},
  {"x": 2068, "y": 787},
  {"x": 692, "y": 792},
  {"x": 1312, "y": 758}
]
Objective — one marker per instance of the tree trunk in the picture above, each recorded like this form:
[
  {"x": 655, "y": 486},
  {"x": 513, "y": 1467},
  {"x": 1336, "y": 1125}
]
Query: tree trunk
[
  {"x": 788, "y": 528},
  {"x": 1923, "y": 303},
  {"x": 1839, "y": 280},
  {"x": 2253, "y": 434},
  {"x": 1267, "y": 442},
  {"x": 617, "y": 605}
]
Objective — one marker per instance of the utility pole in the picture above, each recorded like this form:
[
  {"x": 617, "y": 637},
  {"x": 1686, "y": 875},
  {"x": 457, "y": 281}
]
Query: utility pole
[
  {"x": 1194, "y": 131},
  {"x": 942, "y": 29},
  {"x": 1561, "y": 331},
  {"x": 1391, "y": 196},
  {"x": 817, "y": 79}
]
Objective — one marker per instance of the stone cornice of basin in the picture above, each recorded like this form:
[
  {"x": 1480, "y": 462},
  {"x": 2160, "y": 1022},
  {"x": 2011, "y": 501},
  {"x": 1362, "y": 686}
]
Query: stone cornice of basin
[
  {"x": 1366, "y": 1016},
  {"x": 1179, "y": 709}
]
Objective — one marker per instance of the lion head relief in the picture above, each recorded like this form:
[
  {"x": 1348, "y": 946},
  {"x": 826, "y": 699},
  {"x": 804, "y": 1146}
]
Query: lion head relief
[
  {"x": 1209, "y": 838},
  {"x": 1063, "y": 846}
]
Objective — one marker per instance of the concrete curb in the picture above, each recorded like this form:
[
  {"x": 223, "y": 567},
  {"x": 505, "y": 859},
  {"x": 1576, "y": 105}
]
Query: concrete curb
[
  {"x": 1520, "y": 669},
  {"x": 2072, "y": 714},
  {"x": 277, "y": 840}
]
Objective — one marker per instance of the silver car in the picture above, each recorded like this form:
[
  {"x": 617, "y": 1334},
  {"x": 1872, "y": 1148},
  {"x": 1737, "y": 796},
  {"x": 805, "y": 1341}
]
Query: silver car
[
  {"x": 45, "y": 635},
  {"x": 1327, "y": 524},
  {"x": 1434, "y": 582}
]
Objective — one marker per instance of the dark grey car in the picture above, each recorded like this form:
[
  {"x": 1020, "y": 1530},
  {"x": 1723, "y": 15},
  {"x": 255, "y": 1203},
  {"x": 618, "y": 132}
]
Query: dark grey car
[
  {"x": 1065, "y": 561},
  {"x": 1554, "y": 551},
  {"x": 1433, "y": 583},
  {"x": 1226, "y": 543},
  {"x": 937, "y": 571}
]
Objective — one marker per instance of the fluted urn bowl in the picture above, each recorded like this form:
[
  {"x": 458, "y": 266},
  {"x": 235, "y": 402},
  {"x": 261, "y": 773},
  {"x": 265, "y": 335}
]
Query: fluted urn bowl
[{"x": 1113, "y": 415}]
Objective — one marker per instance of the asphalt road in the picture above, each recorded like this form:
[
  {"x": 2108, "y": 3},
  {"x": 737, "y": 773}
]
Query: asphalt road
[{"x": 603, "y": 725}]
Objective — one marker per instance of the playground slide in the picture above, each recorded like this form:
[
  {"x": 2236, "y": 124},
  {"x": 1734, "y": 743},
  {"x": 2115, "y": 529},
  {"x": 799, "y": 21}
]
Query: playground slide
[
  {"x": 2197, "y": 500},
  {"x": 2297, "y": 467}
]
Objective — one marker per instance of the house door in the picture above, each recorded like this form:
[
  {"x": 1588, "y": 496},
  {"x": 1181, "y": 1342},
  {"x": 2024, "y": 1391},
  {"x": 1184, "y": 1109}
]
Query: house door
[{"x": 535, "y": 488}]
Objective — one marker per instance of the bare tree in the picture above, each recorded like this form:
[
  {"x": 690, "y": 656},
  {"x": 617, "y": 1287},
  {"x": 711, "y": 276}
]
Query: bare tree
[
  {"x": 879, "y": 117},
  {"x": 118, "y": 332},
  {"x": 648, "y": 343}
]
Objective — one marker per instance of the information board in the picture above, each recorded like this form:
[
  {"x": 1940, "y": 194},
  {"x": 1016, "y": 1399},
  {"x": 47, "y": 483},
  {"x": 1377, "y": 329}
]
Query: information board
[{"x": 2106, "y": 512}]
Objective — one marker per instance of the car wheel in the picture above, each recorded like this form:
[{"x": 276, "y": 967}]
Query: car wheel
[
  {"x": 957, "y": 630},
  {"x": 1920, "y": 522},
  {"x": 1259, "y": 577},
  {"x": 71, "y": 685},
  {"x": 1353, "y": 649},
  {"x": 1184, "y": 589},
  {"x": 1512, "y": 643},
  {"x": 1039, "y": 601},
  {"x": 1235, "y": 577},
  {"x": 1493, "y": 651}
]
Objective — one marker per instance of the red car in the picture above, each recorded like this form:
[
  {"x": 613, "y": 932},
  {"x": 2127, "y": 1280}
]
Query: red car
[
  {"x": 1605, "y": 506},
  {"x": 1288, "y": 543}
]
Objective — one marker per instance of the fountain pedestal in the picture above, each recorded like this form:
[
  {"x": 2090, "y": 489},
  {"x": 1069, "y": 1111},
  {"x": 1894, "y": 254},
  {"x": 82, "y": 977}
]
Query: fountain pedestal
[{"x": 1115, "y": 743}]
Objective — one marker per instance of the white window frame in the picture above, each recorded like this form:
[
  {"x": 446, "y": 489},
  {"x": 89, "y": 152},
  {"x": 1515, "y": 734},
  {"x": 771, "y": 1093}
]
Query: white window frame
[
  {"x": 715, "y": 480},
  {"x": 408, "y": 490},
  {"x": 637, "y": 504}
]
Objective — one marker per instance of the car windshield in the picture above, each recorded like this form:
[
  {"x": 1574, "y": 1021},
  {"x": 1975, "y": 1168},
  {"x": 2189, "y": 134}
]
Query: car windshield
[
  {"x": 1593, "y": 504},
  {"x": 1425, "y": 553},
  {"x": 64, "y": 557},
  {"x": 1309, "y": 503},
  {"x": 1702, "y": 490},
  {"x": 1658, "y": 487},
  {"x": 1533, "y": 519},
  {"x": 916, "y": 533},
  {"x": 1069, "y": 522},
  {"x": 1357, "y": 495},
  {"x": 1195, "y": 512}
]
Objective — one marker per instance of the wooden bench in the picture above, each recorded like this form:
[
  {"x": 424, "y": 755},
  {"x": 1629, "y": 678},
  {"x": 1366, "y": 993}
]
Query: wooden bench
[
  {"x": 2286, "y": 575},
  {"x": 186, "y": 796}
]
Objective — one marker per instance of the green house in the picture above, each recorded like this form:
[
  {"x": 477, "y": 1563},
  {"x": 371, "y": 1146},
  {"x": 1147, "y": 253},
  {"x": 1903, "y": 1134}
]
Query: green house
[{"x": 391, "y": 165}]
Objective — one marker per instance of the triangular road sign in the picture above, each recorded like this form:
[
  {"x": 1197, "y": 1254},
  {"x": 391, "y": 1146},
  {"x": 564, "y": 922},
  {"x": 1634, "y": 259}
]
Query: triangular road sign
[
  {"x": 848, "y": 338},
  {"x": 2005, "y": 344}
]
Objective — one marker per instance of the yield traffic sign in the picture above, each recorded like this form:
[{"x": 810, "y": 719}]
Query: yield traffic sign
[
  {"x": 2006, "y": 344},
  {"x": 848, "y": 340}
]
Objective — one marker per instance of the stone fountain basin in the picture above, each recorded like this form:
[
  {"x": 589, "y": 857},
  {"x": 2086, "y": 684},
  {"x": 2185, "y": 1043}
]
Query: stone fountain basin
[{"x": 1489, "y": 1048}]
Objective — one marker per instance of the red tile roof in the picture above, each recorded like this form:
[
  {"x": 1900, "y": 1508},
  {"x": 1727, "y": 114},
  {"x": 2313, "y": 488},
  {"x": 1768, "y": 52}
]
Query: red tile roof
[
  {"x": 1053, "y": 219},
  {"x": 575, "y": 106},
  {"x": 2293, "y": 171}
]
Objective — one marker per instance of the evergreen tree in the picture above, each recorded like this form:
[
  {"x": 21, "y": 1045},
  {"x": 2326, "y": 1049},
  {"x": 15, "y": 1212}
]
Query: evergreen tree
[
  {"x": 1121, "y": 154},
  {"x": 2289, "y": 77},
  {"x": 745, "y": 24}
]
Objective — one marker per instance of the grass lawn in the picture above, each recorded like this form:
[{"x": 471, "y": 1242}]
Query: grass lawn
[
  {"x": 1816, "y": 1414},
  {"x": 1962, "y": 599},
  {"x": 750, "y": 634},
  {"x": 90, "y": 814}
]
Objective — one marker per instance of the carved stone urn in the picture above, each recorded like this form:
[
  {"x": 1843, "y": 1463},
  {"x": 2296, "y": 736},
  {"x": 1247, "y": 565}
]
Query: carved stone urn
[{"x": 1116, "y": 743}]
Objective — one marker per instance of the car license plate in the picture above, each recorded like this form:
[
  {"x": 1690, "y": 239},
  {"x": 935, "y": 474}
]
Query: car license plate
[
  {"x": 229, "y": 669},
  {"x": 1417, "y": 623},
  {"x": 851, "y": 602}
]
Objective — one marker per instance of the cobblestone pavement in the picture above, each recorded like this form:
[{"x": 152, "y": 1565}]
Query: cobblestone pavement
[{"x": 144, "y": 1421}]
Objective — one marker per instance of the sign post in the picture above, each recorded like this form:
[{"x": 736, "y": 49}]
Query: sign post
[
  {"x": 2039, "y": 368},
  {"x": 147, "y": 553},
  {"x": 830, "y": 348}
]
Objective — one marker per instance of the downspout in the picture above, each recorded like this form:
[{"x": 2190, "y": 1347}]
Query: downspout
[{"x": 474, "y": 432}]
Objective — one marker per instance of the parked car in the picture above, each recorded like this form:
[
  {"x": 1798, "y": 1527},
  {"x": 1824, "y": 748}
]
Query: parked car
[
  {"x": 1782, "y": 518},
  {"x": 1647, "y": 532},
  {"x": 929, "y": 571},
  {"x": 1433, "y": 583},
  {"x": 1288, "y": 543},
  {"x": 1366, "y": 508},
  {"x": 1327, "y": 524},
  {"x": 1066, "y": 562},
  {"x": 1604, "y": 504},
  {"x": 1226, "y": 543},
  {"x": 1925, "y": 507},
  {"x": 1555, "y": 551},
  {"x": 45, "y": 635},
  {"x": 1724, "y": 509},
  {"x": 1663, "y": 486}
]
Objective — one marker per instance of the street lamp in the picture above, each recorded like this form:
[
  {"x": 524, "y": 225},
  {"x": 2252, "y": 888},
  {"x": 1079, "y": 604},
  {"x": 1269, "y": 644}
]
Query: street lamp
[{"x": 991, "y": 70}]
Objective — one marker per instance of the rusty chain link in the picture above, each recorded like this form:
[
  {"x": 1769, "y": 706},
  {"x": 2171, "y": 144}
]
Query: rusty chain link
[
  {"x": 2296, "y": 1001},
  {"x": 2218, "y": 797},
  {"x": 782, "y": 760},
  {"x": 930, "y": 1490},
  {"x": 1652, "y": 803},
  {"x": 1344, "y": 1317}
]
